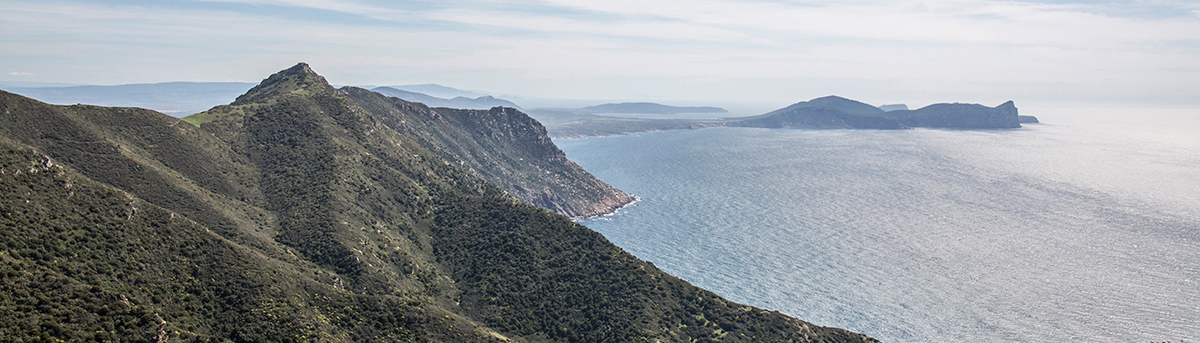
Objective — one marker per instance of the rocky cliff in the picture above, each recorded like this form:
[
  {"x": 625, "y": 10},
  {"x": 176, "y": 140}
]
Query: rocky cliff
[{"x": 503, "y": 146}]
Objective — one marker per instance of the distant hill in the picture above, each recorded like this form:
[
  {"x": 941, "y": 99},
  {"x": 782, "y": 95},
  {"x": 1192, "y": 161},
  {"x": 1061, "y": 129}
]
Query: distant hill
[
  {"x": 299, "y": 212},
  {"x": 649, "y": 107},
  {"x": 893, "y": 107},
  {"x": 825, "y": 112},
  {"x": 178, "y": 99},
  {"x": 972, "y": 116},
  {"x": 439, "y": 91},
  {"x": 479, "y": 103},
  {"x": 831, "y": 102},
  {"x": 838, "y": 112}
]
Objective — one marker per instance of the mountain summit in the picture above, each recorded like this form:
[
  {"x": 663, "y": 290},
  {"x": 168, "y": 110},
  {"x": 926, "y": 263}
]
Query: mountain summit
[{"x": 298, "y": 79}]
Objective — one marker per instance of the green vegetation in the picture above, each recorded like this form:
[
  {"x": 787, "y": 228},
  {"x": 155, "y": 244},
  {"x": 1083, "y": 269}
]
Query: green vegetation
[{"x": 303, "y": 216}]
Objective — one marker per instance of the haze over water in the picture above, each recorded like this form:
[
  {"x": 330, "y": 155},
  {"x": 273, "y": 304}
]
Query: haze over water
[{"x": 1086, "y": 228}]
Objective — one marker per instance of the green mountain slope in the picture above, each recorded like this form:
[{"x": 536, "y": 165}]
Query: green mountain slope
[
  {"x": 82, "y": 260},
  {"x": 295, "y": 214}
]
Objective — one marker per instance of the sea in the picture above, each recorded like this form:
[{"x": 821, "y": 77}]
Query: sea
[{"x": 1084, "y": 228}]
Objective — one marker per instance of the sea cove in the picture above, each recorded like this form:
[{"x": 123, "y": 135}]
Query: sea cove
[{"x": 1082, "y": 229}]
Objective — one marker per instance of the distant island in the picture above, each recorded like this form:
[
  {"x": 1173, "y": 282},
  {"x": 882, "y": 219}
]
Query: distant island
[
  {"x": 650, "y": 108},
  {"x": 829, "y": 112}
]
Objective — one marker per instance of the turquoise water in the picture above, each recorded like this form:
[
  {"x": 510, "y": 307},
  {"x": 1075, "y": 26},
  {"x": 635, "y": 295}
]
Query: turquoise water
[{"x": 1084, "y": 229}]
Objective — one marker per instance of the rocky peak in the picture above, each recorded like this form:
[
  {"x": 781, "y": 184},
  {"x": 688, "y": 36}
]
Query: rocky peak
[{"x": 297, "y": 79}]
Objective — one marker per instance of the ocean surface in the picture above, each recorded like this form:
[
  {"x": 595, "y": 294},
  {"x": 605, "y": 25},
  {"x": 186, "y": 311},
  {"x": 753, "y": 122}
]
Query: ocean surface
[{"x": 1085, "y": 228}]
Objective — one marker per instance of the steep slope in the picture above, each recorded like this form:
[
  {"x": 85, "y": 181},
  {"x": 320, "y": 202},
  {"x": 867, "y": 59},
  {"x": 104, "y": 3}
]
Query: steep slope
[
  {"x": 81, "y": 260},
  {"x": 504, "y": 147},
  {"x": 266, "y": 291},
  {"x": 339, "y": 229}
]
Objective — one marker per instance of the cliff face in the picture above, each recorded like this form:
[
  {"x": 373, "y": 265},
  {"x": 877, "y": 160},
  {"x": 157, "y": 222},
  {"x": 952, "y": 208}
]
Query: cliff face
[
  {"x": 295, "y": 214},
  {"x": 503, "y": 146}
]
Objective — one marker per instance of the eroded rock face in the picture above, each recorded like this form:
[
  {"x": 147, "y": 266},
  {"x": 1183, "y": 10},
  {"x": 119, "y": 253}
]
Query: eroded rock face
[{"x": 503, "y": 146}]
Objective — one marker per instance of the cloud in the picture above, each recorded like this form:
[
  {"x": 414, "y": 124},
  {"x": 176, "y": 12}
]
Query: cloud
[
  {"x": 586, "y": 48},
  {"x": 21, "y": 73}
]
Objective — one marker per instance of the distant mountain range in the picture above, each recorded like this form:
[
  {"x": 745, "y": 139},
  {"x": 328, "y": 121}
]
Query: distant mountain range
[
  {"x": 479, "y": 103},
  {"x": 649, "y": 108},
  {"x": 439, "y": 91},
  {"x": 181, "y": 99},
  {"x": 173, "y": 98}
]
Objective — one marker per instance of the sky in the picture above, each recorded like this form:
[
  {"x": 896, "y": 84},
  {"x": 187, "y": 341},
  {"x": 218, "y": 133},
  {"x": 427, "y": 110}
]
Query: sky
[{"x": 1133, "y": 52}]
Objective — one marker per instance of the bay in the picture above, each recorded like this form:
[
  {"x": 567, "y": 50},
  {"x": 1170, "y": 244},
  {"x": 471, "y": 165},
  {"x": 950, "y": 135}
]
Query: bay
[{"x": 1083, "y": 229}]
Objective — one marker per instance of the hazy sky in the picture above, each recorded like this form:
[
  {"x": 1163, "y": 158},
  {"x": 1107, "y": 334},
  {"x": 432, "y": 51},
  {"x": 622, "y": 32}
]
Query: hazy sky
[{"x": 1140, "y": 52}]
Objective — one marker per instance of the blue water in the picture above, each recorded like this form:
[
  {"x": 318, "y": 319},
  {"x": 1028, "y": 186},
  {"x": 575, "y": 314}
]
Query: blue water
[{"x": 1085, "y": 229}]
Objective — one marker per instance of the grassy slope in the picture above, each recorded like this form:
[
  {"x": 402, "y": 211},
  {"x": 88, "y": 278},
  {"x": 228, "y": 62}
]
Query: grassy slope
[
  {"x": 85, "y": 261},
  {"x": 301, "y": 216}
]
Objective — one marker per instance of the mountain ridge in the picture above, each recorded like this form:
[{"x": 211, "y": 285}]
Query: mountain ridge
[
  {"x": 335, "y": 227},
  {"x": 649, "y": 107}
]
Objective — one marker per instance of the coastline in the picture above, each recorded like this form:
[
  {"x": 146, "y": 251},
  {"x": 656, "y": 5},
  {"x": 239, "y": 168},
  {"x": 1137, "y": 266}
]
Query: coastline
[{"x": 611, "y": 211}]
